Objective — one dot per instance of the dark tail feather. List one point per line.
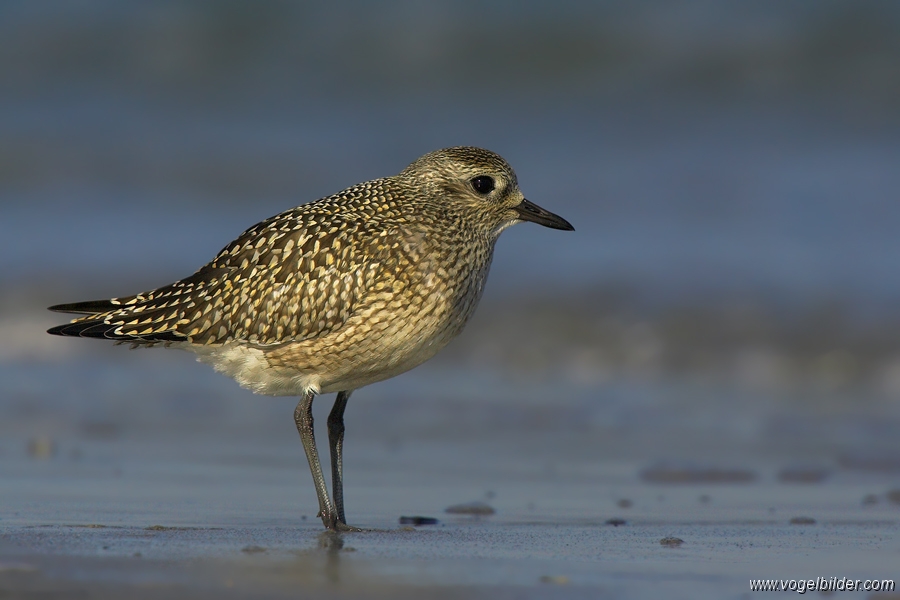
(105, 331)
(91, 307)
(93, 329)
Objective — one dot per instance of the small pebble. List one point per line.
(252, 549)
(470, 508)
(893, 496)
(671, 542)
(417, 521)
(803, 521)
(625, 503)
(555, 579)
(615, 522)
(704, 499)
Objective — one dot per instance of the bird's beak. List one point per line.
(529, 211)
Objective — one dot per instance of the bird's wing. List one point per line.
(296, 276)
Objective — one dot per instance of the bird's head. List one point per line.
(478, 182)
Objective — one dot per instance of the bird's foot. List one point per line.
(332, 522)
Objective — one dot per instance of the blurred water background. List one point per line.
(731, 169)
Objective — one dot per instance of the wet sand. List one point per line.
(231, 515)
(143, 474)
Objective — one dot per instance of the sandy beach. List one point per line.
(698, 387)
(224, 508)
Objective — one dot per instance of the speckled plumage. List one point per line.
(340, 292)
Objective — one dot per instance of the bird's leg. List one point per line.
(304, 419)
(336, 442)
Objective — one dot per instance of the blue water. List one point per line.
(728, 201)
(736, 150)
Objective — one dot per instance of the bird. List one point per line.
(335, 294)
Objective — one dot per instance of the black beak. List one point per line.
(529, 211)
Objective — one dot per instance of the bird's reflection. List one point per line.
(331, 543)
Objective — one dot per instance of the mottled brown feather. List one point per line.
(408, 255)
(292, 277)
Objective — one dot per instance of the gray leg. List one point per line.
(336, 442)
(304, 419)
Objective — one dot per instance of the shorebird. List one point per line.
(335, 294)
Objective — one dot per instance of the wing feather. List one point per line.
(293, 277)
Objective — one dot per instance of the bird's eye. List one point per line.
(483, 184)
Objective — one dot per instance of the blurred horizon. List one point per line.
(730, 168)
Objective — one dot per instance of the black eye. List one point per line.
(483, 184)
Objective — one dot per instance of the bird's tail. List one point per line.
(113, 319)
